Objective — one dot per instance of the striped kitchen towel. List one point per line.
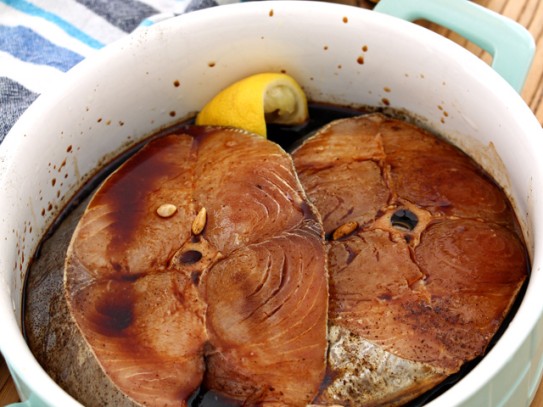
(42, 39)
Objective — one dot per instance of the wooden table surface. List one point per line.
(529, 13)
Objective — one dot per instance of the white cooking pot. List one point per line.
(339, 54)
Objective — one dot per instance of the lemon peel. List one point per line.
(258, 99)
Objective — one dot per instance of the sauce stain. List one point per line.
(125, 193)
(114, 309)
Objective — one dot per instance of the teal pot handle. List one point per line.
(31, 402)
(512, 47)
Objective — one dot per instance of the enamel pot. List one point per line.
(339, 54)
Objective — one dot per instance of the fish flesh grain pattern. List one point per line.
(425, 257)
(201, 262)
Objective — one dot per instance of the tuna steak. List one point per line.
(425, 257)
(227, 289)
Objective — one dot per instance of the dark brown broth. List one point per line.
(287, 137)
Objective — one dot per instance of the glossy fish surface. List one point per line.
(425, 257)
(199, 263)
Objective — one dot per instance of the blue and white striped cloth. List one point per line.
(42, 39)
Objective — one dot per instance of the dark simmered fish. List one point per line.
(226, 289)
(425, 257)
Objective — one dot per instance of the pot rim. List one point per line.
(18, 356)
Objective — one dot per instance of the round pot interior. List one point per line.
(339, 54)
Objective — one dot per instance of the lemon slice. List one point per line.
(256, 100)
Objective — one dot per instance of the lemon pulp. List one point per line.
(256, 100)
